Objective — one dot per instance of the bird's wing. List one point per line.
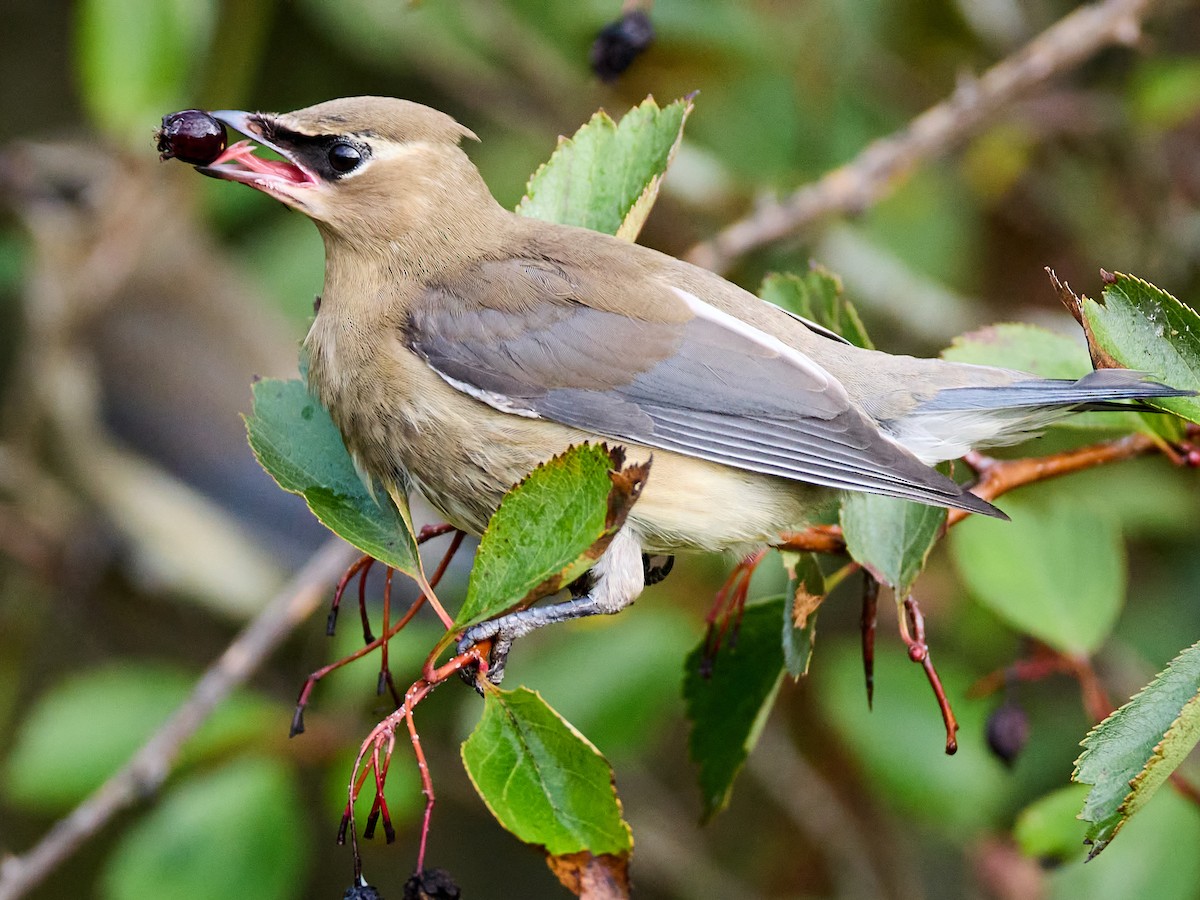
(522, 336)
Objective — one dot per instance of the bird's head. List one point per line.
(363, 168)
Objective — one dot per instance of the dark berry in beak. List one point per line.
(191, 136)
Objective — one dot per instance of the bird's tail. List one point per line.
(960, 418)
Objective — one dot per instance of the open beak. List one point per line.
(283, 178)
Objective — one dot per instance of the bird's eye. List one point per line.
(344, 157)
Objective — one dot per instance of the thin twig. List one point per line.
(998, 477)
(151, 765)
(885, 164)
(912, 632)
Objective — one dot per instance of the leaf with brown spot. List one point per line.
(549, 785)
(806, 589)
(1101, 358)
(550, 529)
(603, 877)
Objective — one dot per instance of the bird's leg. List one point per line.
(616, 581)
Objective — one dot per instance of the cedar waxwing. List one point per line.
(458, 345)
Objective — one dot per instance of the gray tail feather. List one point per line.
(1096, 390)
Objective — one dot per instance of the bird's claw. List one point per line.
(497, 653)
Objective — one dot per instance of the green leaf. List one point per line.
(1144, 328)
(136, 60)
(550, 529)
(1049, 829)
(542, 779)
(805, 592)
(607, 176)
(891, 538)
(1038, 351)
(728, 708)
(1152, 859)
(817, 295)
(1027, 348)
(1129, 755)
(117, 708)
(295, 440)
(239, 831)
(628, 710)
(1056, 572)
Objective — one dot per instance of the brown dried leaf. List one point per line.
(1101, 359)
(603, 877)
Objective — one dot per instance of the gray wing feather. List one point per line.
(695, 386)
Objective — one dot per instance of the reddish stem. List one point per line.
(870, 608)
(389, 633)
(382, 740)
(727, 608)
(912, 632)
(359, 567)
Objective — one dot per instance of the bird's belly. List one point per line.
(687, 504)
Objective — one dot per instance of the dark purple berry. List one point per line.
(620, 43)
(1007, 732)
(361, 892)
(191, 136)
(432, 884)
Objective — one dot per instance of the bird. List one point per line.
(458, 345)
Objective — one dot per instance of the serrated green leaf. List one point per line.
(891, 538)
(1145, 328)
(542, 779)
(1049, 829)
(238, 831)
(549, 530)
(295, 440)
(817, 295)
(1055, 572)
(625, 712)
(118, 708)
(1027, 348)
(606, 177)
(1038, 351)
(1150, 860)
(805, 592)
(1129, 755)
(728, 707)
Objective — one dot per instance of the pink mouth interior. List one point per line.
(241, 155)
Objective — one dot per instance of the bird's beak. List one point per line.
(286, 179)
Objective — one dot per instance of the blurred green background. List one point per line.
(137, 301)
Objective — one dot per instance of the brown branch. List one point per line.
(998, 477)
(887, 162)
(151, 765)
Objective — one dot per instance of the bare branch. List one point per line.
(887, 162)
(151, 765)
